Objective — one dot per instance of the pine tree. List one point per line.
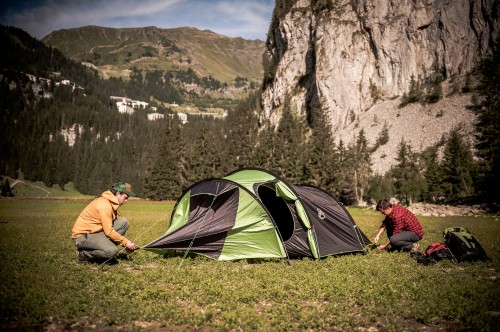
(358, 169)
(381, 186)
(408, 179)
(342, 185)
(289, 146)
(320, 167)
(241, 129)
(382, 138)
(6, 190)
(433, 173)
(205, 154)
(263, 154)
(458, 167)
(487, 109)
(414, 94)
(85, 161)
(167, 175)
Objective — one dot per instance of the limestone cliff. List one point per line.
(343, 57)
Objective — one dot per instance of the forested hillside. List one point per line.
(60, 133)
(35, 112)
(197, 67)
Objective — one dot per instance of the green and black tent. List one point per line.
(252, 213)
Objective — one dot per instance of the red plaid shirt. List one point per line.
(401, 219)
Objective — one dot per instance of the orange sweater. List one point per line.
(98, 216)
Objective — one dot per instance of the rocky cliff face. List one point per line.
(345, 56)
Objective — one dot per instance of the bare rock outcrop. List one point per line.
(418, 125)
(346, 57)
(443, 210)
(428, 210)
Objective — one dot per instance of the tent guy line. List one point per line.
(165, 217)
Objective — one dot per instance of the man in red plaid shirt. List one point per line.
(403, 229)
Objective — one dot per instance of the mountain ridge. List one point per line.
(184, 47)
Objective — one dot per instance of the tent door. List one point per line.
(279, 211)
(284, 216)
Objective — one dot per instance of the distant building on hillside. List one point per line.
(127, 105)
(182, 117)
(155, 116)
(139, 104)
(70, 83)
(124, 108)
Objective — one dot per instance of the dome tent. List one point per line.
(253, 213)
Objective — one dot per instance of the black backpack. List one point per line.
(463, 245)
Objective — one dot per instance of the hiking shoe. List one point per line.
(414, 247)
(81, 257)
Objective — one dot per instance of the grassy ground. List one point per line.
(27, 189)
(42, 285)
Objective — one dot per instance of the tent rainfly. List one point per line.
(252, 213)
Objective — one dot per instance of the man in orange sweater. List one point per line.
(98, 231)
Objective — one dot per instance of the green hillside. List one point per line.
(37, 189)
(115, 51)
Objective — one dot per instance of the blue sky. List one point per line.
(249, 19)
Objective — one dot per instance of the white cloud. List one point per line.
(254, 16)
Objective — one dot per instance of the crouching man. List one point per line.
(403, 229)
(97, 230)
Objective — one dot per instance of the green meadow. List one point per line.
(43, 287)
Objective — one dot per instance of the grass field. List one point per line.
(43, 287)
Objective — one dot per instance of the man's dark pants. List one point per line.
(98, 245)
(404, 240)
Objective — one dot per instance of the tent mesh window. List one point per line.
(279, 211)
